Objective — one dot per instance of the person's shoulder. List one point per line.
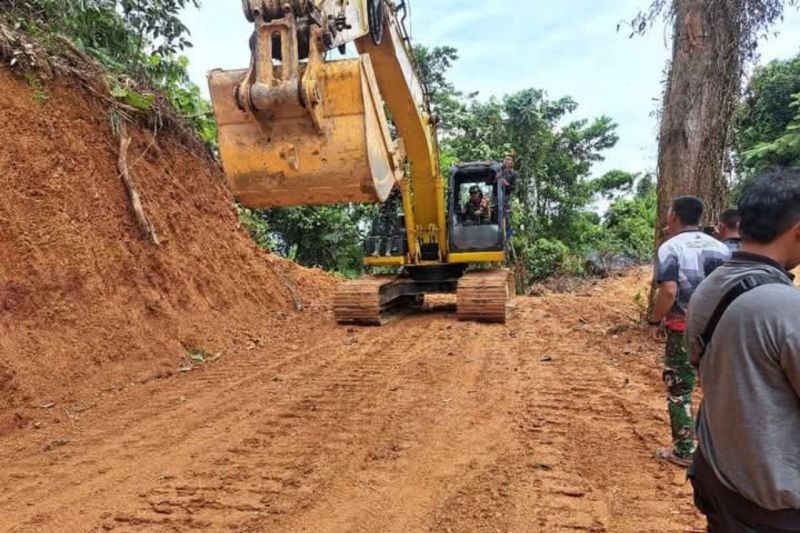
(772, 305)
(779, 294)
(671, 243)
(704, 238)
(700, 242)
(716, 243)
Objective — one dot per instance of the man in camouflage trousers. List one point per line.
(680, 380)
(683, 262)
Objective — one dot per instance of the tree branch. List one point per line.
(133, 194)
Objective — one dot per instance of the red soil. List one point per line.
(85, 301)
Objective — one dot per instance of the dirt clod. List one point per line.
(52, 445)
(12, 422)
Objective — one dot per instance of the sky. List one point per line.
(568, 48)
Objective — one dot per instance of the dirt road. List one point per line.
(427, 424)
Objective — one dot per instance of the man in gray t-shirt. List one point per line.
(746, 473)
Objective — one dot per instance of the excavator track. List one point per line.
(371, 301)
(483, 296)
(358, 302)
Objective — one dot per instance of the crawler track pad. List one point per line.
(483, 296)
(372, 301)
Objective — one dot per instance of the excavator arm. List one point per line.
(299, 129)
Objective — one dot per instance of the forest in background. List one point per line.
(560, 228)
(558, 225)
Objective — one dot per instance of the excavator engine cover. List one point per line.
(287, 157)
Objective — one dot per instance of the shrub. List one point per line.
(546, 258)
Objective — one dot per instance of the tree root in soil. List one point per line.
(133, 194)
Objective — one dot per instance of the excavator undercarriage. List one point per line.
(482, 296)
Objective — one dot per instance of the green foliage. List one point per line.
(171, 75)
(767, 121)
(434, 63)
(256, 226)
(784, 150)
(766, 108)
(329, 237)
(767, 127)
(630, 223)
(120, 32)
(554, 158)
(94, 25)
(613, 183)
(36, 85)
(133, 98)
(156, 23)
(137, 41)
(546, 258)
(556, 226)
(197, 357)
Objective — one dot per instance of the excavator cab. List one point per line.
(485, 232)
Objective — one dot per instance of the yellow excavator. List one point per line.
(299, 129)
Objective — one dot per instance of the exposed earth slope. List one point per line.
(85, 300)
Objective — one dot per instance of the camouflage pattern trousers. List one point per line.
(680, 378)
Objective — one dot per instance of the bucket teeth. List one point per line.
(483, 296)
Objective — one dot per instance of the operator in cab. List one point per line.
(476, 210)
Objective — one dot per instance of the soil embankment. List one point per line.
(86, 302)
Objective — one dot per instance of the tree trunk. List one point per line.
(699, 101)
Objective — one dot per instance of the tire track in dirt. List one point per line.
(448, 430)
(328, 412)
(169, 428)
(427, 424)
(586, 430)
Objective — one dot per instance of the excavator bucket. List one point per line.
(338, 151)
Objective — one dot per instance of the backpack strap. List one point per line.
(753, 281)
